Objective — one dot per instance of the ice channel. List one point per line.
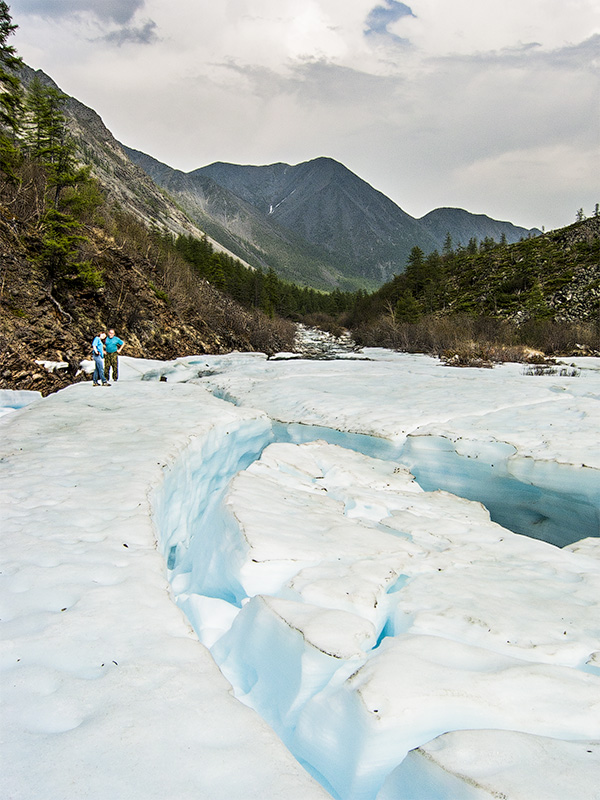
(267, 658)
(554, 502)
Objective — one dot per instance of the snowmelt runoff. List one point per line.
(394, 564)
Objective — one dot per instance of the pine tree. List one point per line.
(415, 270)
(70, 194)
(48, 141)
(11, 96)
(407, 309)
(448, 249)
(472, 247)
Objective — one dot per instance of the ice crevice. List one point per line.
(525, 451)
(362, 616)
(555, 502)
(106, 690)
(383, 625)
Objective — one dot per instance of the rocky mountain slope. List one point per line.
(156, 304)
(329, 206)
(67, 274)
(555, 276)
(463, 226)
(244, 230)
(124, 182)
(315, 223)
(543, 292)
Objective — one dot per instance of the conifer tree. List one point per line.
(70, 192)
(415, 269)
(407, 309)
(448, 249)
(48, 141)
(11, 96)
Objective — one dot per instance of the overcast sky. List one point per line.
(488, 105)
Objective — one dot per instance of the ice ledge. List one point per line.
(448, 620)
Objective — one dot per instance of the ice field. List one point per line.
(374, 578)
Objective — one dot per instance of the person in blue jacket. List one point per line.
(98, 356)
(113, 346)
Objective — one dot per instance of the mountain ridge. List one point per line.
(245, 230)
(361, 230)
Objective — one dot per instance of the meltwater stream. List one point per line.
(202, 546)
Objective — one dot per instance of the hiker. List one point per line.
(113, 346)
(98, 355)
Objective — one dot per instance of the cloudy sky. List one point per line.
(486, 105)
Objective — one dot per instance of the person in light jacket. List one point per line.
(98, 355)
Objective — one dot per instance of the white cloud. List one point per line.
(465, 27)
(562, 174)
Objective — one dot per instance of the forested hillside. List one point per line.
(544, 292)
(554, 276)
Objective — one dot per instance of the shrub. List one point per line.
(162, 295)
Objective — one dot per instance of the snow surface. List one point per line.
(106, 691)
(483, 765)
(497, 436)
(364, 614)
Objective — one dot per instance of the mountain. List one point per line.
(328, 205)
(463, 226)
(354, 229)
(246, 231)
(112, 269)
(315, 223)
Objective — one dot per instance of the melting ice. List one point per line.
(327, 532)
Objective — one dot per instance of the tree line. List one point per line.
(257, 288)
